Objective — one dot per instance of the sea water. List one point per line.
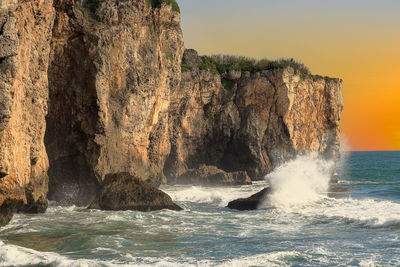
(304, 222)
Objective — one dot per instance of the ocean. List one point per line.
(304, 222)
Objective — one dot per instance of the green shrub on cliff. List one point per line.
(228, 62)
(228, 84)
(208, 63)
(158, 3)
(185, 67)
(223, 63)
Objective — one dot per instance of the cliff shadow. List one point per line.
(71, 123)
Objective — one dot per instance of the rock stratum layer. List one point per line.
(92, 88)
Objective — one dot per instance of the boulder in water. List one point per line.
(250, 203)
(212, 176)
(123, 191)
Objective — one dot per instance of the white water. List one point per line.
(300, 181)
(300, 224)
(218, 196)
(300, 186)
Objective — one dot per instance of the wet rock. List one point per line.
(7, 208)
(212, 176)
(250, 203)
(122, 191)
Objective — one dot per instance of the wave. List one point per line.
(12, 255)
(368, 212)
(300, 181)
(302, 185)
(219, 196)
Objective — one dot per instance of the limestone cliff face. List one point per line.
(254, 122)
(89, 82)
(110, 77)
(25, 32)
(91, 88)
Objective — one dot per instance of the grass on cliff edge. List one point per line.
(219, 64)
(158, 3)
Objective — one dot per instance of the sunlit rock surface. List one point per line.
(92, 88)
(253, 122)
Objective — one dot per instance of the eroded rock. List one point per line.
(251, 122)
(25, 33)
(212, 176)
(122, 191)
(110, 78)
(250, 203)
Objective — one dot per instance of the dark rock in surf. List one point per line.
(212, 176)
(7, 208)
(123, 191)
(250, 203)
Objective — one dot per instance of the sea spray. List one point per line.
(300, 181)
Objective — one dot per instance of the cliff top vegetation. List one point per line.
(219, 64)
(158, 3)
(93, 5)
(224, 63)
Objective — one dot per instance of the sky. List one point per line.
(355, 40)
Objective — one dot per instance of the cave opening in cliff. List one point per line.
(71, 124)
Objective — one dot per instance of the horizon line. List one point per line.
(372, 150)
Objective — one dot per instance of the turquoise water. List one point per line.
(303, 223)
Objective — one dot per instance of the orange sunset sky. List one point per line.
(357, 40)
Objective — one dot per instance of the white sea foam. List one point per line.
(12, 255)
(301, 186)
(272, 259)
(219, 196)
(300, 181)
(370, 212)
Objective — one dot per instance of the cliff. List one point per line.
(91, 88)
(250, 121)
(111, 71)
(89, 83)
(25, 32)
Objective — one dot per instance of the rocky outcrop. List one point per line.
(122, 191)
(111, 73)
(250, 203)
(25, 33)
(242, 121)
(212, 176)
(90, 88)
(88, 81)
